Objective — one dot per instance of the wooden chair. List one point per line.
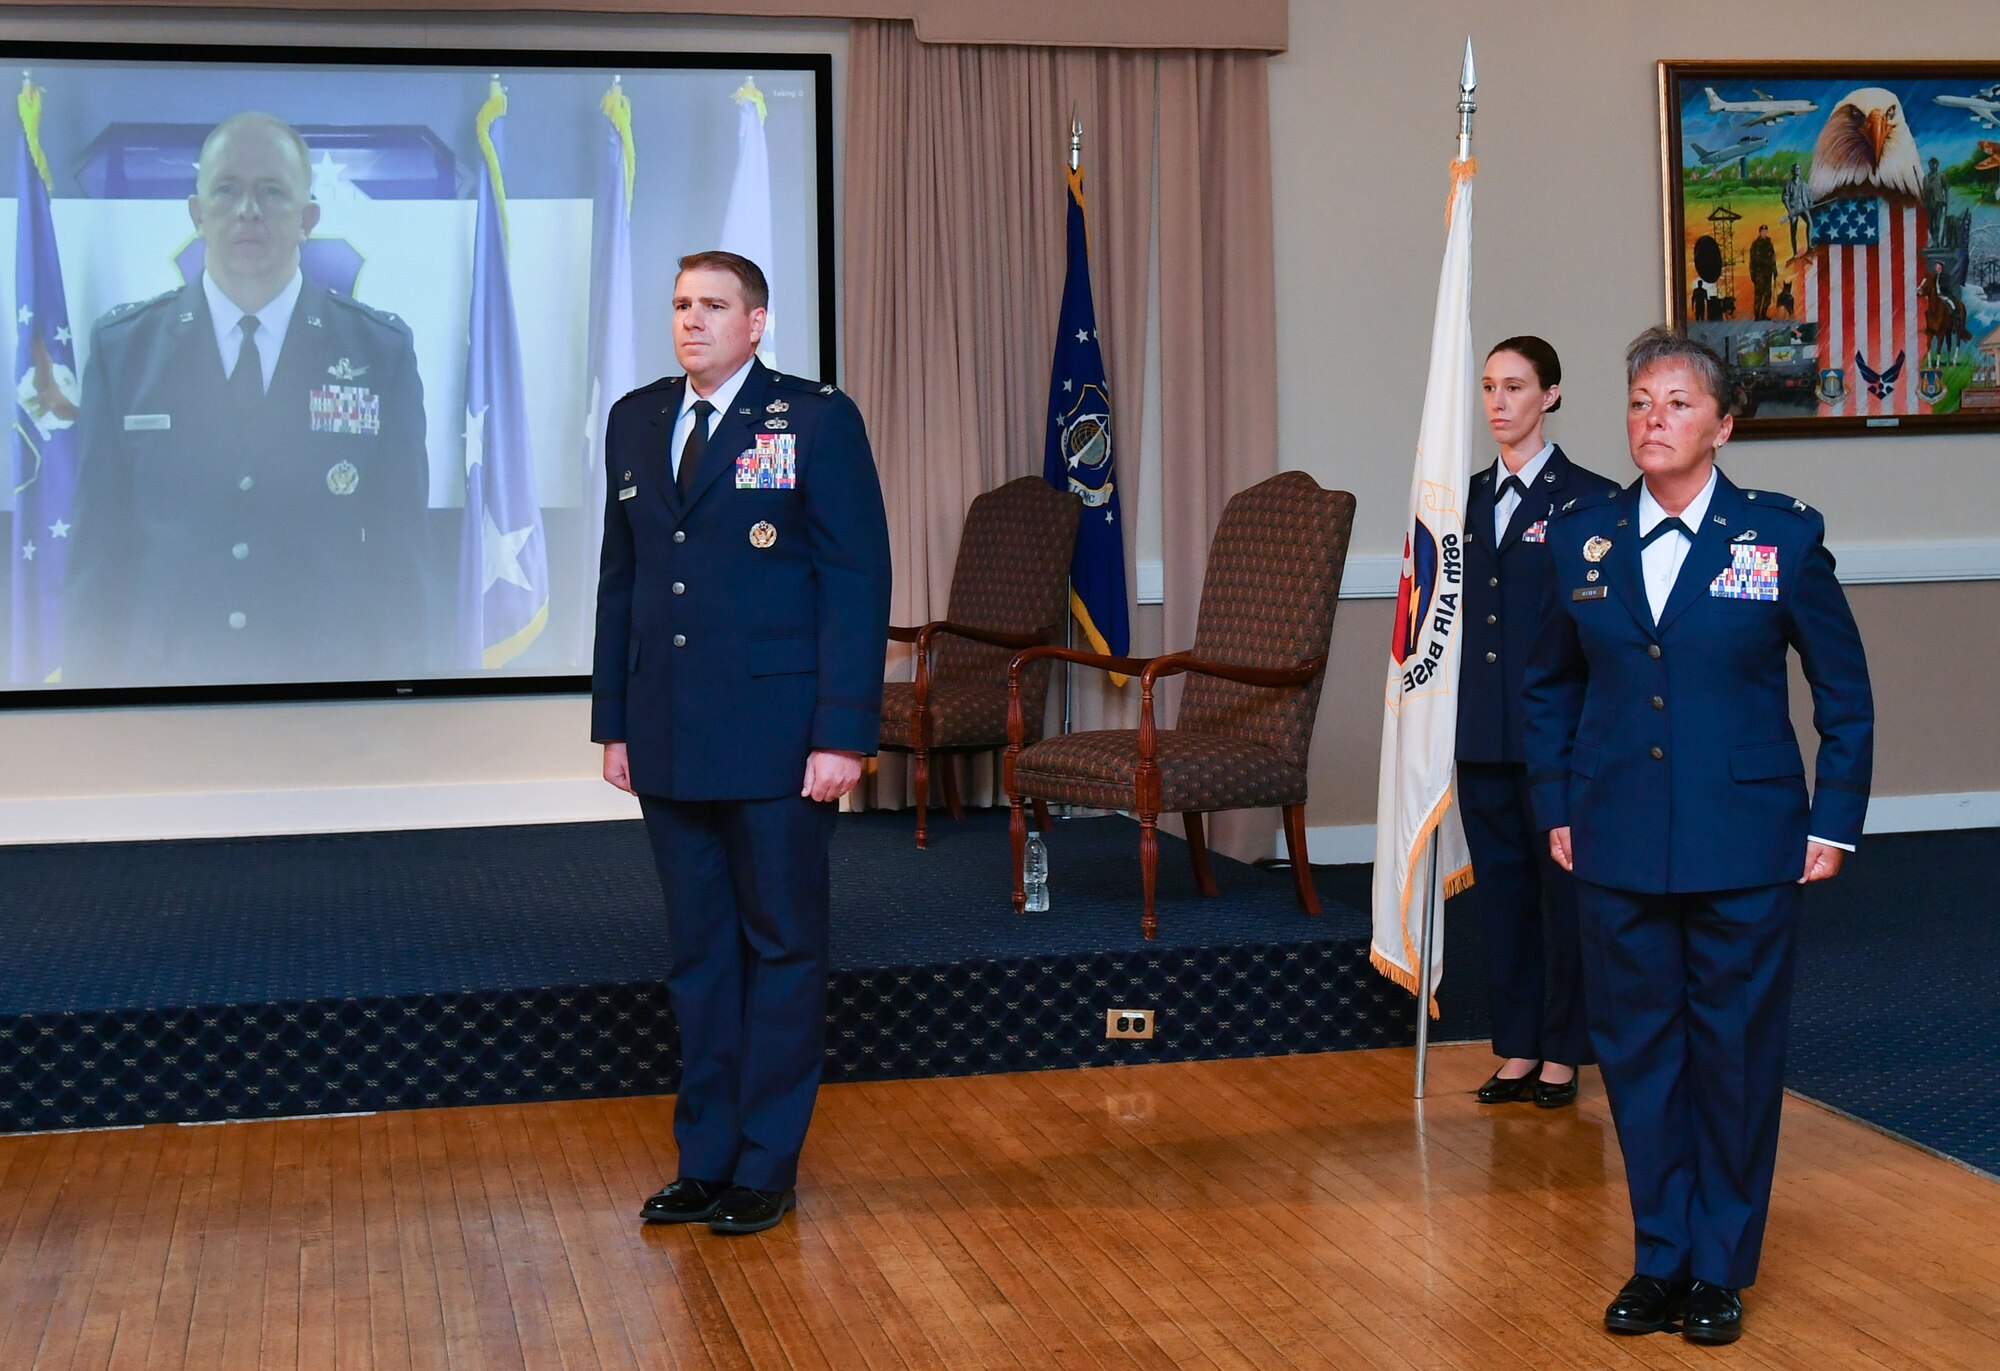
(1246, 717)
(1009, 590)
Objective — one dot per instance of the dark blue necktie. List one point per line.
(1513, 483)
(694, 447)
(1664, 527)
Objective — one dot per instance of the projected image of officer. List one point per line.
(251, 500)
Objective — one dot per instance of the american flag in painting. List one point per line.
(1860, 287)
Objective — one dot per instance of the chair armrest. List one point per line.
(981, 635)
(1124, 666)
(1016, 728)
(900, 634)
(1176, 663)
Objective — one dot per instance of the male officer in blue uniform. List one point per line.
(1527, 909)
(742, 608)
(1662, 760)
(250, 502)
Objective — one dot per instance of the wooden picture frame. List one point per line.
(1833, 230)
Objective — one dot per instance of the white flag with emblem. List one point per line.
(1420, 715)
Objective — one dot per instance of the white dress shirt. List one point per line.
(1505, 502)
(1660, 561)
(684, 421)
(272, 323)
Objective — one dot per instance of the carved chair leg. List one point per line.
(1204, 875)
(920, 779)
(1295, 848)
(1149, 867)
(1042, 824)
(1017, 836)
(948, 764)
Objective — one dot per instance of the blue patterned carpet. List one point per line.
(130, 925)
(523, 940)
(1896, 1018)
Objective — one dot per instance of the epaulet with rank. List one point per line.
(802, 384)
(1771, 499)
(651, 386)
(1593, 500)
(131, 309)
(367, 311)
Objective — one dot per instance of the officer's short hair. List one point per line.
(256, 119)
(750, 276)
(1660, 344)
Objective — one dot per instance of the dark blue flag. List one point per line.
(1078, 455)
(503, 561)
(43, 446)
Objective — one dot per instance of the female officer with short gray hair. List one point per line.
(1662, 761)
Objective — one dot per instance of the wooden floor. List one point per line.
(1301, 1211)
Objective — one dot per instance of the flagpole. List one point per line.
(1467, 82)
(1069, 592)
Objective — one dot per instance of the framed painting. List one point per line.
(1833, 230)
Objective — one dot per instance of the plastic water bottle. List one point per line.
(1035, 874)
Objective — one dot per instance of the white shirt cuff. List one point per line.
(1828, 842)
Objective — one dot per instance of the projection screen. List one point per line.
(443, 267)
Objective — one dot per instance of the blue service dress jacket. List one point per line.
(1507, 597)
(1668, 748)
(743, 628)
(278, 541)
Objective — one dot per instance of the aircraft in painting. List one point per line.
(1764, 108)
(1719, 159)
(1983, 107)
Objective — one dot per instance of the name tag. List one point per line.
(628, 492)
(148, 423)
(1589, 592)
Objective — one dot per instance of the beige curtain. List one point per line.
(953, 262)
(1248, 25)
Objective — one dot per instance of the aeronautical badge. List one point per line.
(1748, 535)
(776, 407)
(344, 409)
(1752, 573)
(1832, 385)
(1537, 532)
(342, 478)
(777, 423)
(1594, 550)
(1930, 385)
(763, 534)
(344, 370)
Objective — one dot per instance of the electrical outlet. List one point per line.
(1128, 1023)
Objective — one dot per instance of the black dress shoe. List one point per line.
(1647, 1304)
(685, 1201)
(1502, 1089)
(1552, 1096)
(744, 1210)
(1714, 1314)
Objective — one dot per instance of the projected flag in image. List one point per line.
(611, 369)
(746, 221)
(503, 560)
(43, 442)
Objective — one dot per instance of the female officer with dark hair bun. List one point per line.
(1527, 912)
(1662, 760)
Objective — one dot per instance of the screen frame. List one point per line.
(18, 52)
